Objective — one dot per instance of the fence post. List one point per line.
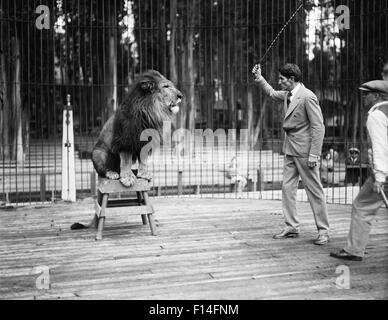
(93, 183)
(42, 187)
(68, 164)
(254, 183)
(260, 182)
(180, 189)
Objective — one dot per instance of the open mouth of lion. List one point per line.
(174, 107)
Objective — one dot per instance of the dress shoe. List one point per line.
(322, 239)
(342, 254)
(286, 233)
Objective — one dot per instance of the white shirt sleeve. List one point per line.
(377, 125)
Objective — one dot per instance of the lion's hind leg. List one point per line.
(106, 164)
(113, 167)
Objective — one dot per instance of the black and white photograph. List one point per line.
(193, 155)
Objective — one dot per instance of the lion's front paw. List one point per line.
(112, 175)
(128, 179)
(142, 174)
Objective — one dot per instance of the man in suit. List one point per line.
(304, 132)
(370, 198)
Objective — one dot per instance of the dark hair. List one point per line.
(291, 70)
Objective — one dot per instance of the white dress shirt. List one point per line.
(294, 91)
(377, 125)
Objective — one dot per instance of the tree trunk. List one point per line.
(63, 55)
(261, 126)
(17, 105)
(4, 102)
(112, 76)
(190, 77)
(4, 110)
(162, 36)
(231, 72)
(173, 72)
(181, 121)
(250, 114)
(173, 34)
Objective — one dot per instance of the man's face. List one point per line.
(369, 99)
(286, 84)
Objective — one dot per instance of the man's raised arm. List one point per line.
(266, 87)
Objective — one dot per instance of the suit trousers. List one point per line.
(295, 167)
(364, 210)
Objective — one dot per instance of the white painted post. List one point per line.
(68, 164)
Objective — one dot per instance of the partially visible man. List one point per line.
(369, 199)
(384, 74)
(304, 128)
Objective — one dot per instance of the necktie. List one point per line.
(289, 98)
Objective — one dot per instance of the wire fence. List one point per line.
(93, 50)
(183, 171)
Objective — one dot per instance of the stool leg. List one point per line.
(152, 224)
(140, 201)
(99, 197)
(94, 223)
(101, 218)
(150, 215)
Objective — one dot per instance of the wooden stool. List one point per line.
(140, 205)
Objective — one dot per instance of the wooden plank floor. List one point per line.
(205, 249)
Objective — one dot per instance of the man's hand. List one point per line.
(377, 186)
(256, 71)
(312, 161)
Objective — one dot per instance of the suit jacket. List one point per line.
(302, 123)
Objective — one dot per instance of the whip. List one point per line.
(281, 31)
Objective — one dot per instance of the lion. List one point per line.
(152, 100)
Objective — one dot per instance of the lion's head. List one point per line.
(151, 101)
(153, 98)
(162, 89)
